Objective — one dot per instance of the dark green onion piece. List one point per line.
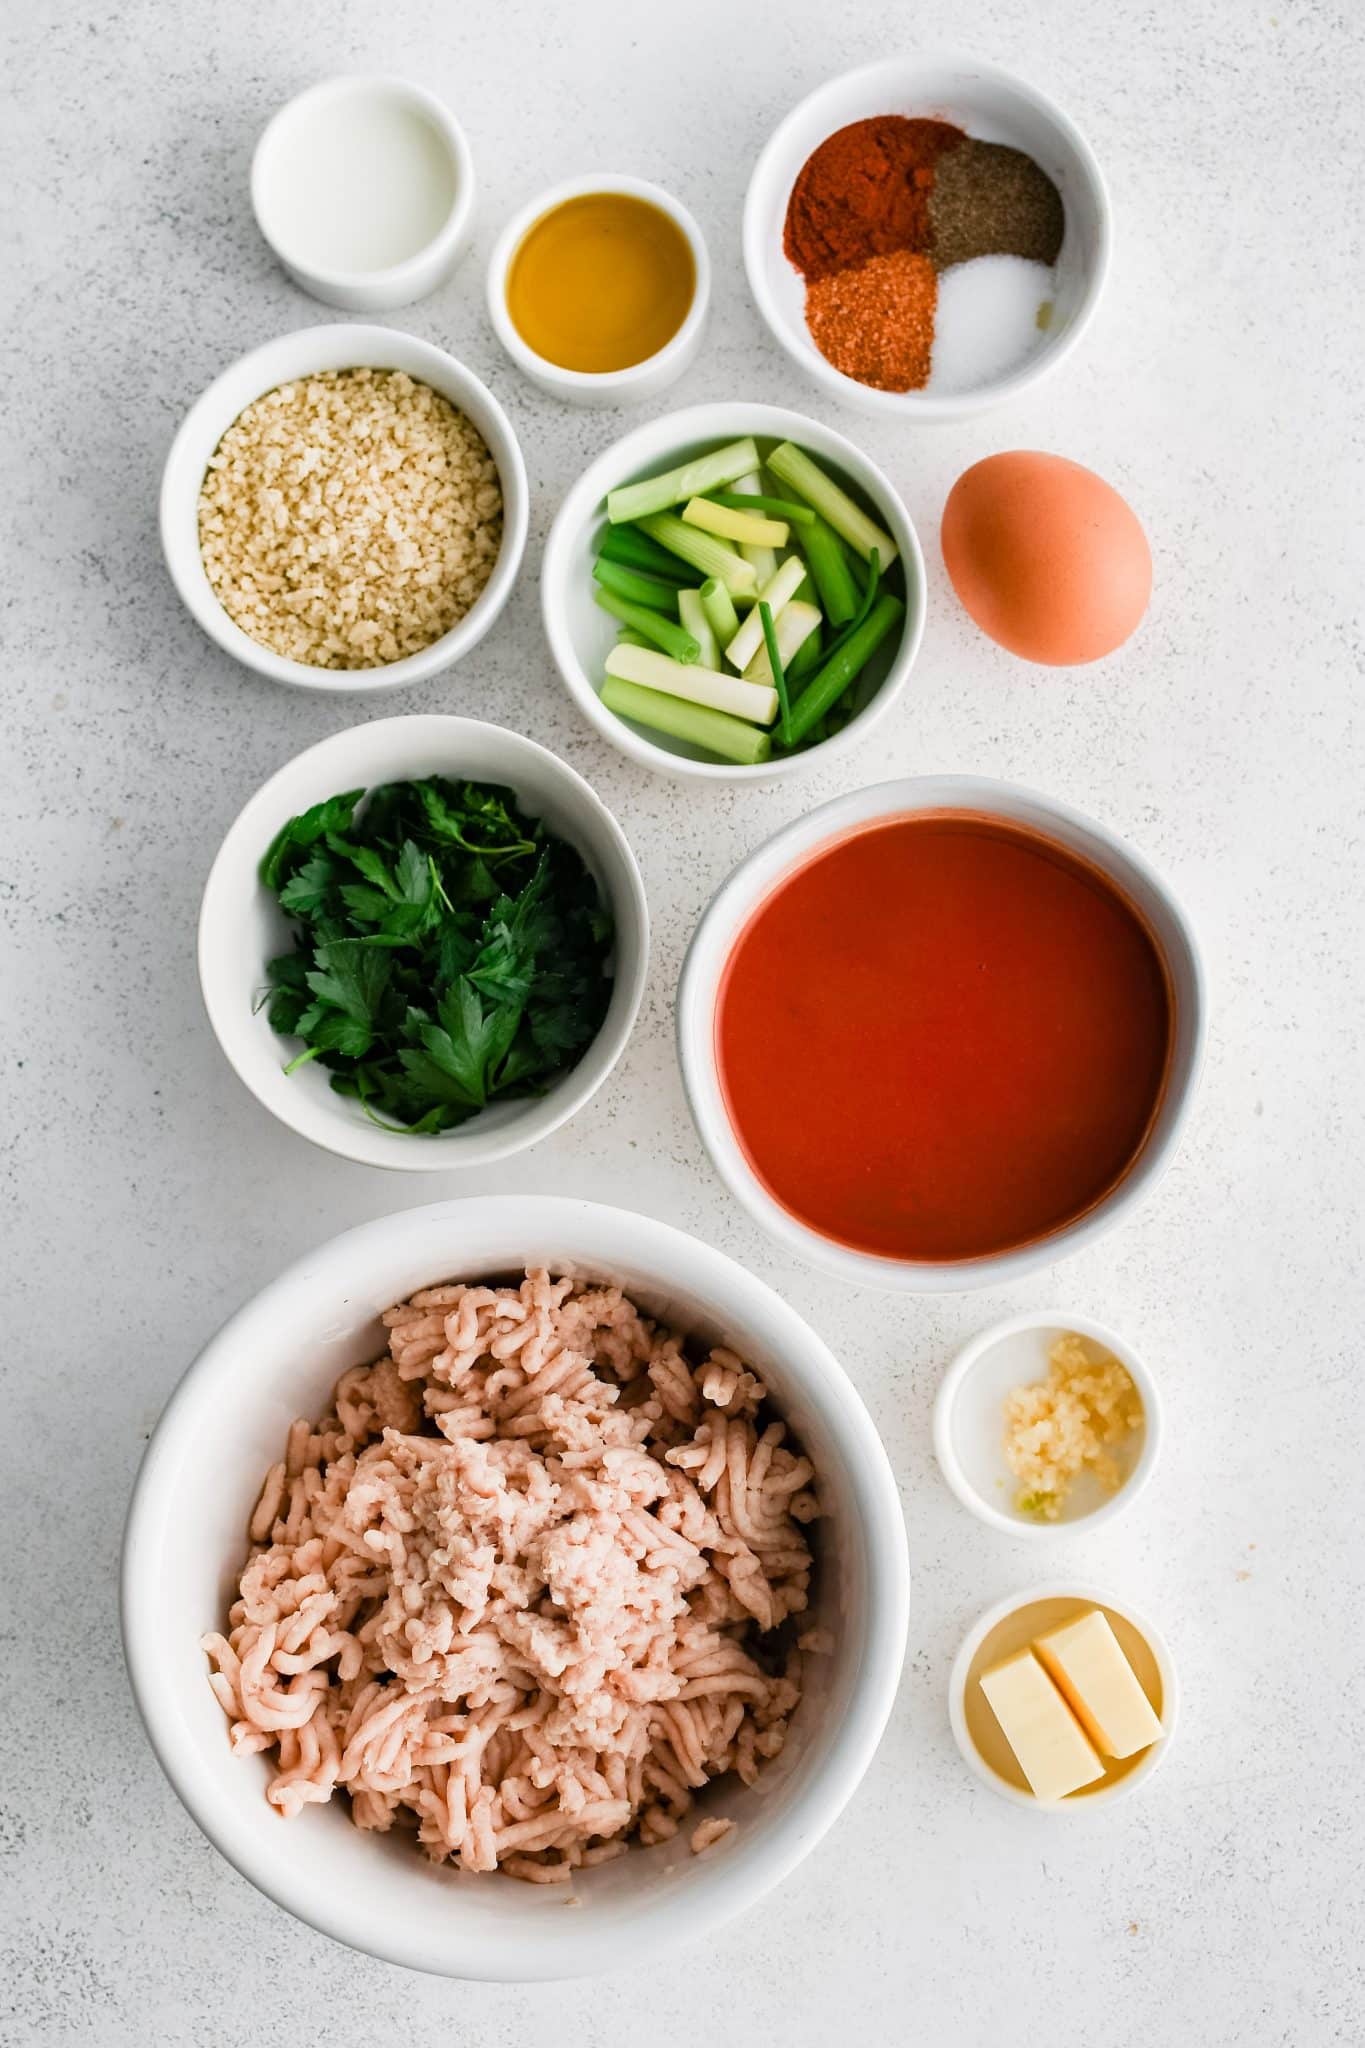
(784, 716)
(824, 690)
(775, 508)
(874, 570)
(664, 634)
(637, 551)
(828, 564)
(637, 588)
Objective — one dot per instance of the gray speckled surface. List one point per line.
(145, 1194)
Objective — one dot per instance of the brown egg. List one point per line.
(1046, 556)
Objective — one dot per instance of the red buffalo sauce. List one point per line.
(943, 1036)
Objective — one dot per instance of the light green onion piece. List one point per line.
(636, 587)
(776, 593)
(719, 607)
(692, 616)
(690, 480)
(793, 467)
(791, 632)
(702, 550)
(696, 684)
(663, 632)
(715, 733)
(761, 558)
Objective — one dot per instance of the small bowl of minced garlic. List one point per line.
(1045, 1422)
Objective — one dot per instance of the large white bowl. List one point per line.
(185, 1542)
(345, 346)
(754, 880)
(241, 927)
(992, 105)
(581, 634)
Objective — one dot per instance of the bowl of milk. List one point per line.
(364, 189)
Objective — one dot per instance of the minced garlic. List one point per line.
(1058, 1427)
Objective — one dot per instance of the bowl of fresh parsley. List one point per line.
(423, 943)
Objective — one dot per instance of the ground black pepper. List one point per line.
(989, 200)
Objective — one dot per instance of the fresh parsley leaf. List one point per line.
(332, 816)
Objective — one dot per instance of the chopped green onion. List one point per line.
(776, 593)
(793, 629)
(776, 508)
(638, 588)
(692, 616)
(765, 613)
(627, 544)
(626, 636)
(807, 657)
(705, 553)
(745, 527)
(758, 554)
(837, 672)
(874, 570)
(713, 731)
(719, 607)
(831, 572)
(793, 467)
(688, 480)
(672, 639)
(719, 692)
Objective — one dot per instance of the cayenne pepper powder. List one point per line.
(864, 192)
(875, 320)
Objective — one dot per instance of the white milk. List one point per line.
(357, 183)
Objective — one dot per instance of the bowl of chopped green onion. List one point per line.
(423, 943)
(732, 590)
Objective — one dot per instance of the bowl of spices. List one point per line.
(364, 189)
(598, 290)
(345, 509)
(927, 236)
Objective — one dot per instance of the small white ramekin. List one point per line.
(581, 634)
(599, 388)
(990, 104)
(185, 1542)
(374, 291)
(754, 880)
(1142, 1772)
(241, 927)
(303, 354)
(969, 1424)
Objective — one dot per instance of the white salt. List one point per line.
(987, 320)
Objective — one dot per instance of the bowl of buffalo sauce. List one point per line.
(941, 1031)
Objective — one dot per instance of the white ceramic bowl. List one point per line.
(581, 634)
(335, 102)
(241, 927)
(754, 880)
(991, 105)
(969, 1433)
(598, 388)
(1078, 1805)
(223, 1428)
(301, 354)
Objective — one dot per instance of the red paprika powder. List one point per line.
(865, 192)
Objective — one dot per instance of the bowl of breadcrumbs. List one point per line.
(345, 509)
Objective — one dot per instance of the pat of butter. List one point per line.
(1100, 1685)
(1050, 1744)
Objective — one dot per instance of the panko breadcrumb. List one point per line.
(350, 518)
(1059, 1427)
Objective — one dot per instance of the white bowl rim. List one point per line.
(698, 422)
(975, 1350)
(1108, 1795)
(357, 1141)
(368, 345)
(347, 85)
(927, 405)
(596, 381)
(727, 1891)
(801, 838)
